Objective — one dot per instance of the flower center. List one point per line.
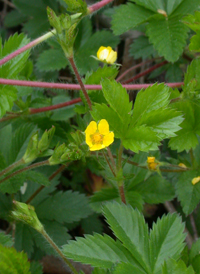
(97, 138)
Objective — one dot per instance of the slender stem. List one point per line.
(11, 167)
(46, 162)
(120, 156)
(57, 249)
(133, 68)
(60, 169)
(192, 221)
(122, 194)
(145, 72)
(98, 5)
(110, 166)
(57, 106)
(170, 208)
(75, 86)
(71, 60)
(28, 46)
(112, 159)
(192, 157)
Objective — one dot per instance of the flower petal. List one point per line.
(88, 140)
(108, 139)
(112, 57)
(103, 127)
(97, 147)
(91, 128)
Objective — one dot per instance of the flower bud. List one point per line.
(107, 55)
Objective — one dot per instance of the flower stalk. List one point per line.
(11, 167)
(98, 5)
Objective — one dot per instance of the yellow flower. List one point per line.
(107, 55)
(195, 180)
(182, 165)
(98, 136)
(151, 163)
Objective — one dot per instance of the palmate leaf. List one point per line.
(125, 268)
(97, 250)
(168, 35)
(186, 7)
(129, 16)
(172, 266)
(141, 48)
(192, 75)
(129, 227)
(166, 240)
(187, 193)
(13, 262)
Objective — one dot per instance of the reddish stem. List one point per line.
(75, 86)
(122, 194)
(145, 72)
(99, 5)
(61, 105)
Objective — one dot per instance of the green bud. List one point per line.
(32, 149)
(56, 157)
(46, 139)
(54, 20)
(65, 21)
(75, 6)
(26, 214)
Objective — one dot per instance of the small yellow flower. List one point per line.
(195, 180)
(107, 55)
(151, 163)
(182, 165)
(98, 136)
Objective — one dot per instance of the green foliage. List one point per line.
(6, 240)
(13, 262)
(141, 48)
(76, 6)
(176, 267)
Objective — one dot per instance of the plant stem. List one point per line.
(11, 167)
(145, 72)
(120, 156)
(192, 157)
(46, 162)
(122, 194)
(112, 159)
(98, 5)
(170, 208)
(57, 249)
(75, 86)
(110, 166)
(192, 221)
(60, 169)
(71, 60)
(28, 46)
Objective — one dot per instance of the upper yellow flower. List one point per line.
(152, 165)
(195, 180)
(182, 165)
(107, 55)
(98, 136)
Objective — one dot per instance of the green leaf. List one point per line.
(193, 75)
(187, 193)
(195, 42)
(171, 266)
(6, 240)
(5, 206)
(129, 227)
(166, 240)
(124, 268)
(37, 177)
(14, 18)
(13, 262)
(153, 5)
(95, 77)
(76, 6)
(196, 264)
(13, 184)
(155, 190)
(51, 59)
(186, 7)
(174, 73)
(36, 268)
(129, 16)
(168, 35)
(193, 21)
(97, 250)
(75, 204)
(194, 251)
(141, 48)
(8, 95)
(134, 199)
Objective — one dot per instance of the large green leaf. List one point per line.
(6, 240)
(129, 16)
(186, 7)
(171, 266)
(141, 48)
(192, 75)
(125, 268)
(166, 240)
(129, 227)
(97, 250)
(188, 194)
(168, 35)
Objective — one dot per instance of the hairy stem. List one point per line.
(98, 5)
(46, 162)
(75, 86)
(28, 46)
(112, 159)
(11, 167)
(110, 166)
(71, 60)
(57, 249)
(194, 228)
(122, 194)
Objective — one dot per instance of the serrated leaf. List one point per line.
(36, 268)
(37, 177)
(13, 262)
(51, 59)
(124, 268)
(141, 48)
(195, 42)
(166, 240)
(171, 266)
(134, 199)
(168, 35)
(193, 75)
(8, 95)
(6, 240)
(129, 227)
(72, 207)
(194, 251)
(155, 190)
(13, 184)
(97, 250)
(187, 193)
(186, 7)
(82, 56)
(128, 16)
(174, 73)
(95, 77)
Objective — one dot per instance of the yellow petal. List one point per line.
(150, 160)
(88, 140)
(103, 127)
(195, 180)
(91, 128)
(112, 57)
(108, 139)
(97, 147)
(99, 51)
